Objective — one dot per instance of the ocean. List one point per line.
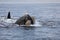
(47, 26)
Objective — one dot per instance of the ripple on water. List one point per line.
(45, 32)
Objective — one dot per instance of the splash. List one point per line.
(37, 24)
(7, 22)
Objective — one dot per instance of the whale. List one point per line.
(9, 15)
(26, 20)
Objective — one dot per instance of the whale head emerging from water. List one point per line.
(25, 20)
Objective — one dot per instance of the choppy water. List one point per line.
(47, 26)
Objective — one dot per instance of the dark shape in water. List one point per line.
(9, 16)
(24, 20)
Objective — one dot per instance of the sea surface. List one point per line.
(47, 22)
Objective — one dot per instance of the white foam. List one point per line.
(9, 21)
(13, 21)
(36, 24)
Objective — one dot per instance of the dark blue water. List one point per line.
(46, 14)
